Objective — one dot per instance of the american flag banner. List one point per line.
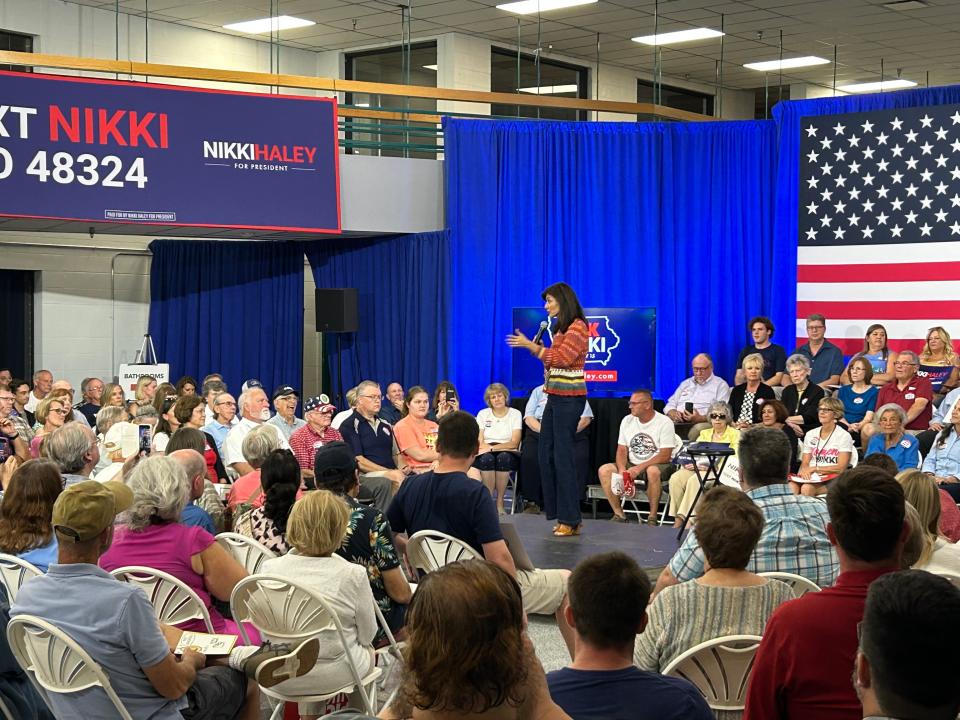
(879, 205)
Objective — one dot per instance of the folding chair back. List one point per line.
(429, 550)
(54, 662)
(14, 572)
(246, 551)
(720, 668)
(798, 583)
(174, 602)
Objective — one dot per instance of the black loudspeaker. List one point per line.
(337, 310)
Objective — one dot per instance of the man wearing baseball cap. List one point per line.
(114, 622)
(316, 433)
(285, 400)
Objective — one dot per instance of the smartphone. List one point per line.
(451, 395)
(6, 449)
(689, 407)
(145, 438)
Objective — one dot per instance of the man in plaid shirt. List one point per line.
(794, 538)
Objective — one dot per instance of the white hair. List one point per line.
(160, 490)
(258, 444)
(68, 445)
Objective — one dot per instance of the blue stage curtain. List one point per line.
(788, 116)
(666, 215)
(230, 307)
(404, 295)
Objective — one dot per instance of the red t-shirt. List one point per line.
(803, 666)
(918, 387)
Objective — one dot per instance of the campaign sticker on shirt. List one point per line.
(804, 401)
(488, 423)
(318, 444)
(909, 396)
(857, 401)
(759, 401)
(905, 444)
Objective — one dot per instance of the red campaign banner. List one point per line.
(600, 375)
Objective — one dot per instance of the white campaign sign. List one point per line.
(129, 374)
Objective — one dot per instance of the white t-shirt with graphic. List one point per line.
(499, 429)
(826, 451)
(644, 440)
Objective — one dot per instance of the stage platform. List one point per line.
(651, 547)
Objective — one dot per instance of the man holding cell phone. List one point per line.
(691, 401)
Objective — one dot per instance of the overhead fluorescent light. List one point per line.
(906, 5)
(525, 7)
(363, 104)
(787, 63)
(897, 84)
(270, 24)
(549, 89)
(430, 67)
(678, 36)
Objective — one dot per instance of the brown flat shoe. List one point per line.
(566, 530)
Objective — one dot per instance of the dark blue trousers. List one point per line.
(558, 473)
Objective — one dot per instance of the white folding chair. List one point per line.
(640, 495)
(720, 668)
(14, 572)
(246, 551)
(5, 712)
(289, 612)
(798, 583)
(390, 656)
(55, 663)
(429, 550)
(172, 599)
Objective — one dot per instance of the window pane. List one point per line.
(17, 43)
(557, 79)
(675, 97)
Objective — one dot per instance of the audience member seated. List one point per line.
(890, 439)
(690, 402)
(447, 500)
(315, 434)
(794, 537)
(747, 399)
(316, 528)
(530, 487)
(369, 540)
(859, 397)
(75, 450)
(351, 398)
(393, 409)
(801, 397)
(106, 419)
(468, 654)
(153, 537)
(164, 392)
(188, 410)
(446, 400)
(210, 391)
(684, 483)
(910, 392)
(727, 600)
(774, 356)
(246, 492)
(644, 447)
(608, 611)
(224, 417)
(90, 389)
(267, 523)
(941, 414)
(254, 411)
(877, 354)
(120, 632)
(943, 460)
(774, 415)
(186, 385)
(500, 429)
(42, 384)
(827, 451)
(146, 390)
(939, 555)
(167, 425)
(372, 441)
(826, 359)
(416, 434)
(205, 495)
(285, 400)
(802, 667)
(882, 461)
(909, 618)
(938, 362)
(195, 467)
(21, 395)
(51, 413)
(112, 396)
(13, 431)
(25, 526)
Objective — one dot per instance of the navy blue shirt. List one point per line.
(377, 446)
(449, 502)
(628, 693)
(390, 413)
(828, 361)
(774, 358)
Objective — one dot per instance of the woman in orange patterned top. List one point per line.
(566, 389)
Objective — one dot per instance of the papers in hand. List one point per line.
(814, 478)
(206, 643)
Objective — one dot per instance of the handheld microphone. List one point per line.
(543, 328)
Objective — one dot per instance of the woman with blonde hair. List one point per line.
(938, 361)
(499, 443)
(146, 390)
(939, 555)
(316, 528)
(747, 398)
(52, 412)
(827, 451)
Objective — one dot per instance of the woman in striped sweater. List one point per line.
(566, 390)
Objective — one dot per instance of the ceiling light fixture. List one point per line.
(525, 7)
(678, 36)
(270, 24)
(549, 89)
(897, 84)
(787, 63)
(430, 67)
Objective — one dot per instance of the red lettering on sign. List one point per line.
(592, 330)
(59, 121)
(109, 127)
(139, 127)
